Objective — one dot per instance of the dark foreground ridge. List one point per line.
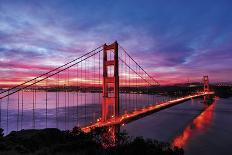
(53, 141)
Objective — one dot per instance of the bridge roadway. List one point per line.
(127, 117)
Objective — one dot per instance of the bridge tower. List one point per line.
(206, 83)
(110, 102)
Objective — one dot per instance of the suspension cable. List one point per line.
(52, 70)
(50, 75)
(139, 65)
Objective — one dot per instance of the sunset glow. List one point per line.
(172, 49)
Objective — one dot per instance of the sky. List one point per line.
(174, 40)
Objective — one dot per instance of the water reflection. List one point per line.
(198, 125)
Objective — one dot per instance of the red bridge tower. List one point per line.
(110, 103)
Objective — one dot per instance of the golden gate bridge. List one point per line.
(103, 87)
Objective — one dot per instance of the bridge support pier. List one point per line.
(110, 103)
(110, 138)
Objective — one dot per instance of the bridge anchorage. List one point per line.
(102, 88)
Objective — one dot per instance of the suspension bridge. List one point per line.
(103, 87)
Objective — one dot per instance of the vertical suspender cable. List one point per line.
(77, 96)
(136, 97)
(68, 89)
(99, 80)
(58, 97)
(18, 113)
(33, 106)
(46, 102)
(72, 101)
(81, 88)
(0, 113)
(126, 81)
(56, 101)
(65, 101)
(129, 86)
(22, 111)
(7, 106)
(85, 90)
(93, 85)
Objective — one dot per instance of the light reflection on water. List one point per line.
(199, 129)
(197, 126)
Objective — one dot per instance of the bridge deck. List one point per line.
(141, 112)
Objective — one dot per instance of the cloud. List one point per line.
(171, 41)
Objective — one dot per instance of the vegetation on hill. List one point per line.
(53, 141)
